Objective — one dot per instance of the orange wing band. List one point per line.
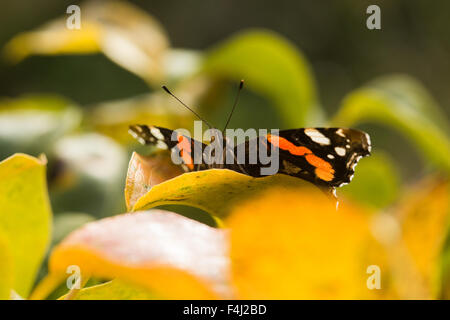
(185, 150)
(323, 170)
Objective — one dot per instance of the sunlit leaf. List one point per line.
(271, 66)
(294, 245)
(445, 270)
(15, 296)
(182, 63)
(124, 33)
(171, 255)
(145, 172)
(114, 290)
(32, 123)
(6, 269)
(424, 214)
(215, 191)
(400, 102)
(25, 216)
(376, 183)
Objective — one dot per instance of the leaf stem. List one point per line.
(76, 288)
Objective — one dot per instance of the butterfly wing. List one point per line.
(324, 156)
(184, 146)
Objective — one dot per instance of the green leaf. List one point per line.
(376, 182)
(32, 123)
(115, 290)
(403, 104)
(6, 270)
(25, 216)
(215, 191)
(271, 66)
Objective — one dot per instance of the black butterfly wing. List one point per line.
(329, 156)
(186, 148)
(324, 156)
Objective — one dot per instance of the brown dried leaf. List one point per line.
(146, 171)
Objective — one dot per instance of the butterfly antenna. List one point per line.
(168, 91)
(241, 85)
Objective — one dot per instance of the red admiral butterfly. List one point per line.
(324, 156)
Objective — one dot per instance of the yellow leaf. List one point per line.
(215, 191)
(124, 33)
(173, 256)
(25, 216)
(423, 215)
(6, 270)
(54, 38)
(115, 290)
(146, 172)
(295, 245)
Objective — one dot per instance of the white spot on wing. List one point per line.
(369, 148)
(340, 151)
(161, 144)
(340, 132)
(330, 156)
(317, 137)
(156, 133)
(134, 134)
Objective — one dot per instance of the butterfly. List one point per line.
(324, 156)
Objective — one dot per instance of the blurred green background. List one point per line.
(315, 63)
(305, 63)
(332, 34)
(343, 53)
